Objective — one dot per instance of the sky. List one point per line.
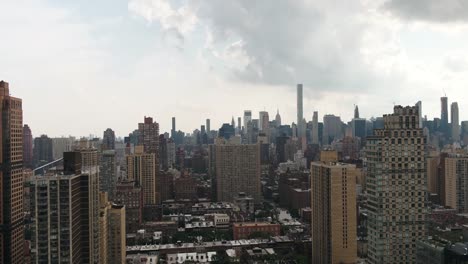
(83, 66)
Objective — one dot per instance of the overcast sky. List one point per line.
(82, 66)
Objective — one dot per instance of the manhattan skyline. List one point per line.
(107, 64)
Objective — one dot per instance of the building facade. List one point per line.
(27, 147)
(245, 230)
(42, 150)
(61, 145)
(333, 204)
(141, 168)
(108, 172)
(11, 178)
(58, 206)
(237, 170)
(113, 235)
(131, 196)
(456, 179)
(396, 187)
(108, 140)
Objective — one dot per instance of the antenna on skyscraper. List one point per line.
(445, 94)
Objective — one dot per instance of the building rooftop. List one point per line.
(249, 224)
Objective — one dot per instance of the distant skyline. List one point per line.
(84, 66)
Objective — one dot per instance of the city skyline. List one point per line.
(118, 58)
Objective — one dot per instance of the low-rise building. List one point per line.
(245, 230)
(194, 257)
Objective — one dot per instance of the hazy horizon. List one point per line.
(82, 67)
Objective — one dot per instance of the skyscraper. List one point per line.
(359, 127)
(278, 119)
(108, 139)
(108, 173)
(11, 180)
(396, 187)
(42, 150)
(332, 128)
(208, 126)
(141, 168)
(264, 121)
(113, 236)
(59, 213)
(456, 179)
(226, 131)
(444, 114)
(88, 157)
(356, 112)
(333, 227)
(315, 129)
(130, 195)
(239, 124)
(237, 170)
(455, 122)
(27, 147)
(61, 145)
(149, 135)
(173, 129)
(419, 105)
(247, 119)
(300, 113)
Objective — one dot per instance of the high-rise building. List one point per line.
(163, 163)
(108, 139)
(264, 118)
(88, 158)
(208, 126)
(265, 123)
(130, 195)
(333, 203)
(332, 128)
(171, 153)
(173, 129)
(42, 150)
(59, 206)
(444, 114)
(165, 185)
(278, 119)
(315, 129)
(149, 136)
(113, 236)
(456, 179)
(237, 170)
(300, 111)
(247, 119)
(432, 165)
(108, 173)
(356, 112)
(226, 131)
(396, 187)
(185, 187)
(455, 122)
(358, 126)
(419, 105)
(61, 145)
(27, 147)
(239, 124)
(11, 179)
(141, 168)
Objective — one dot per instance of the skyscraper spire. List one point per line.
(299, 109)
(278, 118)
(233, 123)
(356, 112)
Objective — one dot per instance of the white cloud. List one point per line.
(181, 19)
(430, 10)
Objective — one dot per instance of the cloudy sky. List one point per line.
(82, 66)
